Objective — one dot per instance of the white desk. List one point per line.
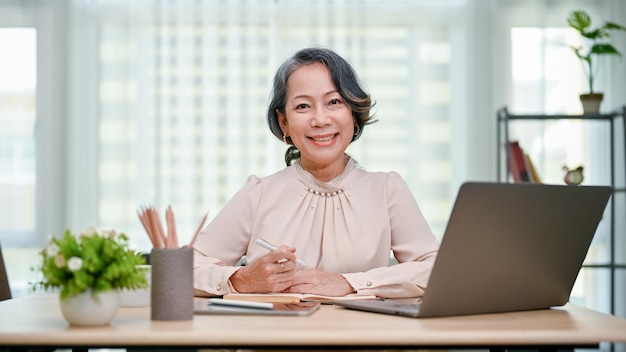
(37, 321)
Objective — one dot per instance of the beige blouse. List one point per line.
(347, 226)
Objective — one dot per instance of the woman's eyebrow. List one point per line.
(305, 96)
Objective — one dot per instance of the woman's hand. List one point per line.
(319, 282)
(273, 272)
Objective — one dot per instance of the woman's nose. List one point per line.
(320, 118)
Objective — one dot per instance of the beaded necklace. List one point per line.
(333, 185)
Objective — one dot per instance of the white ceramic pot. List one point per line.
(89, 309)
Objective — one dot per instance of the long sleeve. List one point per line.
(223, 242)
(349, 226)
(412, 244)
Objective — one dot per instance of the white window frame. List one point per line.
(49, 131)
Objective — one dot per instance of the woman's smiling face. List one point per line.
(317, 119)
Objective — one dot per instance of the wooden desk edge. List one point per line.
(41, 324)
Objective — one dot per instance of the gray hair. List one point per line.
(344, 78)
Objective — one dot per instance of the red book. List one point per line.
(517, 164)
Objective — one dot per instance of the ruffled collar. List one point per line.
(330, 188)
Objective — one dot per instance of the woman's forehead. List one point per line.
(310, 80)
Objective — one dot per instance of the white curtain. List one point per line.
(170, 99)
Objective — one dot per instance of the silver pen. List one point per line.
(263, 243)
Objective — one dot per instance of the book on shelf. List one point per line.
(517, 162)
(530, 166)
(290, 297)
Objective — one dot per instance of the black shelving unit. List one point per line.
(504, 118)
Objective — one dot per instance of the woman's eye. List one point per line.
(301, 106)
(335, 102)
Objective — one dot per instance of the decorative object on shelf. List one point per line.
(573, 176)
(597, 43)
(92, 265)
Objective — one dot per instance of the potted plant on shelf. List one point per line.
(597, 43)
(89, 269)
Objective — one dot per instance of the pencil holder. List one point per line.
(172, 284)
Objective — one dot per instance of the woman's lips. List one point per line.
(324, 139)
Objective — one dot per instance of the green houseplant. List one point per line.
(89, 270)
(96, 260)
(597, 43)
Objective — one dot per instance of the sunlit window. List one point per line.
(17, 144)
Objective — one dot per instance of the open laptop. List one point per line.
(507, 247)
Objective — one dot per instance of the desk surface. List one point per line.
(37, 321)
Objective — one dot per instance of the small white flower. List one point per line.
(59, 261)
(75, 264)
(109, 233)
(52, 250)
(88, 232)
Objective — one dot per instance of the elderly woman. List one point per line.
(322, 208)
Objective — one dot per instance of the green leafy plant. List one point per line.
(597, 41)
(96, 260)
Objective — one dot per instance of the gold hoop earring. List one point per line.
(285, 138)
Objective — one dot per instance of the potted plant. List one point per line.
(89, 269)
(597, 43)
